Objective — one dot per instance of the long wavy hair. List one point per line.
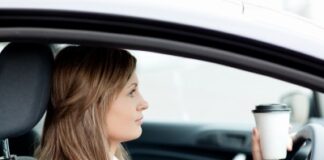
(85, 82)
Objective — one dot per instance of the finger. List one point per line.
(290, 141)
(256, 151)
(290, 144)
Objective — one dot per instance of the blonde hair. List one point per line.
(85, 82)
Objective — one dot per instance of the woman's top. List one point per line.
(114, 158)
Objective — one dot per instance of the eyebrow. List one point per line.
(133, 84)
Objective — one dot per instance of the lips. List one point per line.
(139, 119)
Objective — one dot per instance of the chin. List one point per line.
(138, 133)
(135, 135)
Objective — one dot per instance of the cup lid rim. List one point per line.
(271, 108)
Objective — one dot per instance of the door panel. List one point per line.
(189, 142)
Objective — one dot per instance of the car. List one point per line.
(203, 66)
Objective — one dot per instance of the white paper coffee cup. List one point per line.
(272, 122)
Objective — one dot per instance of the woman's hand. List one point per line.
(256, 147)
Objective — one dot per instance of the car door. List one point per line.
(176, 134)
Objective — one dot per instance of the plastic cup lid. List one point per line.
(271, 108)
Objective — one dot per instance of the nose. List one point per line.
(143, 105)
(146, 105)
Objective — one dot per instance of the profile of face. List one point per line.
(125, 115)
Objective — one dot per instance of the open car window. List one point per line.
(181, 89)
(183, 92)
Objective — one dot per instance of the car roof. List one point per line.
(228, 16)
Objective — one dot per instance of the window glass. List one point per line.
(186, 90)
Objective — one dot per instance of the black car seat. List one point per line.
(25, 75)
(25, 144)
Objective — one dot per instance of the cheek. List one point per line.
(121, 123)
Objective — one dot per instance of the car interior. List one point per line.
(25, 73)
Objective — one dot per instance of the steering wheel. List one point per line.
(308, 143)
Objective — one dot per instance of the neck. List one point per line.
(113, 148)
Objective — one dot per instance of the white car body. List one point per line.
(228, 16)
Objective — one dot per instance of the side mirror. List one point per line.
(299, 104)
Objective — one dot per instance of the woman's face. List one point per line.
(125, 115)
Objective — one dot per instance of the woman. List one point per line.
(96, 105)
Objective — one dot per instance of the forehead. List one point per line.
(132, 79)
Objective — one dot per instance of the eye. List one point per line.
(132, 93)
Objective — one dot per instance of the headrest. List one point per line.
(25, 76)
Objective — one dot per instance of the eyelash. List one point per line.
(131, 94)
